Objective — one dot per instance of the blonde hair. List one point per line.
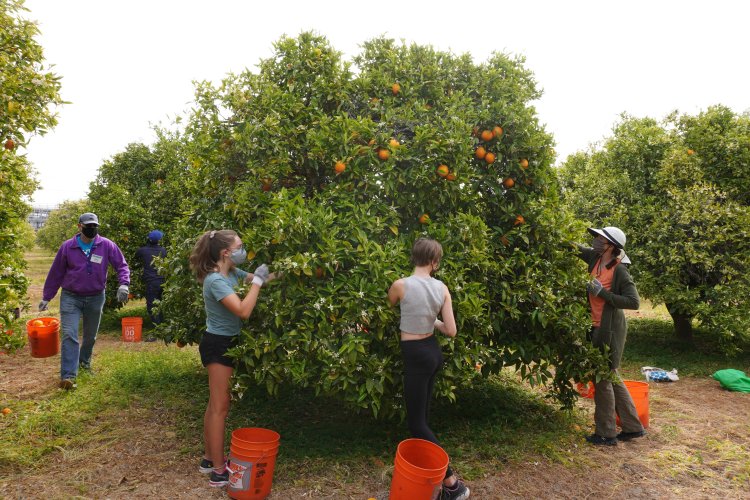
(426, 251)
(207, 249)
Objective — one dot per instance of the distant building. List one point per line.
(38, 216)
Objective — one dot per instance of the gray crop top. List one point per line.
(423, 299)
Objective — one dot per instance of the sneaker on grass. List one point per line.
(627, 436)
(459, 491)
(601, 440)
(206, 466)
(67, 384)
(218, 480)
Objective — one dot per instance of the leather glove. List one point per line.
(594, 287)
(122, 293)
(44, 305)
(260, 275)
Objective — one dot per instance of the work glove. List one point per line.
(594, 287)
(260, 275)
(122, 293)
(44, 305)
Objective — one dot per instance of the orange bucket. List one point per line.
(639, 392)
(131, 329)
(252, 454)
(44, 337)
(586, 391)
(419, 470)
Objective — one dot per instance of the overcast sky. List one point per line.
(127, 65)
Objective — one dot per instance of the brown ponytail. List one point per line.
(207, 249)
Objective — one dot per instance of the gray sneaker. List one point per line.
(459, 491)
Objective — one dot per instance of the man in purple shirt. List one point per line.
(80, 269)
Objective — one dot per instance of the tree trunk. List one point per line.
(683, 324)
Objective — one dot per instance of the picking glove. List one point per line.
(44, 305)
(122, 293)
(594, 287)
(260, 275)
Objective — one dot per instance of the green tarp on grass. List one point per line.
(733, 380)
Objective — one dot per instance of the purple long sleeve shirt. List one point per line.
(82, 275)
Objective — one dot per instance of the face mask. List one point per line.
(599, 246)
(238, 256)
(89, 232)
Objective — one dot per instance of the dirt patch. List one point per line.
(698, 446)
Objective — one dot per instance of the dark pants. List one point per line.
(422, 361)
(153, 292)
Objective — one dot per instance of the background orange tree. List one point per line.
(330, 169)
(680, 189)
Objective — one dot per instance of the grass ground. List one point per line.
(142, 412)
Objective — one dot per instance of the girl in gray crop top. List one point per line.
(422, 299)
(421, 303)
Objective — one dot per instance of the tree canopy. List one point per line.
(680, 189)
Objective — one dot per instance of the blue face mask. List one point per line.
(238, 256)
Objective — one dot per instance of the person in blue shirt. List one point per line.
(214, 261)
(152, 281)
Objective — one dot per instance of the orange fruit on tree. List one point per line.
(443, 170)
(424, 219)
(497, 131)
(371, 142)
(384, 154)
(395, 88)
(451, 177)
(508, 182)
(489, 158)
(394, 143)
(487, 135)
(480, 152)
(524, 163)
(519, 220)
(690, 151)
(339, 167)
(9, 144)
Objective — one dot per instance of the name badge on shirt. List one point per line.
(96, 259)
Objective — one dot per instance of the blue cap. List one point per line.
(155, 235)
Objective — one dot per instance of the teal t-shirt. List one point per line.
(85, 247)
(219, 319)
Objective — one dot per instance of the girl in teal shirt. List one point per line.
(214, 261)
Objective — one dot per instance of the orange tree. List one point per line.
(28, 93)
(61, 224)
(136, 191)
(329, 174)
(679, 188)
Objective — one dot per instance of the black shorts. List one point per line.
(213, 349)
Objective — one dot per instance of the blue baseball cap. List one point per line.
(155, 235)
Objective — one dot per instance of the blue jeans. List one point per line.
(72, 308)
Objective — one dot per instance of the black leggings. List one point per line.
(422, 361)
